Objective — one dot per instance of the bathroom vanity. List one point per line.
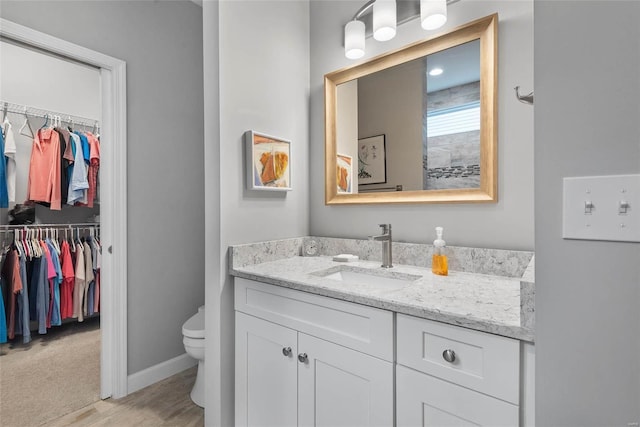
(320, 342)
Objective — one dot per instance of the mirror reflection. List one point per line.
(418, 123)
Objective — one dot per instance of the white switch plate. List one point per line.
(604, 222)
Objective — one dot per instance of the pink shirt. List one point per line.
(44, 169)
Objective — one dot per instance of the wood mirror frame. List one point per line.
(484, 29)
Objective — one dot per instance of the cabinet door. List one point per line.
(338, 386)
(423, 400)
(266, 377)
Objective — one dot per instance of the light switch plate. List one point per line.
(601, 208)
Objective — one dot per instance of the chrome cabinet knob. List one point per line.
(286, 351)
(302, 357)
(449, 356)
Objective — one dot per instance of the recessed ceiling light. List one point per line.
(435, 71)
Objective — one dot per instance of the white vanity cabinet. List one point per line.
(451, 376)
(307, 360)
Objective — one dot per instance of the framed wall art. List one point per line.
(372, 162)
(344, 171)
(268, 162)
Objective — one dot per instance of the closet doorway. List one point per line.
(113, 196)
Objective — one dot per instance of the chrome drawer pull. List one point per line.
(302, 357)
(449, 356)
(286, 351)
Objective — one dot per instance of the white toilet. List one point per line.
(193, 332)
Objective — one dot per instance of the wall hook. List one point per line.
(525, 99)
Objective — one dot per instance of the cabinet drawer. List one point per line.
(362, 328)
(484, 362)
(423, 400)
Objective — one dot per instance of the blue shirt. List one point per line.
(3, 319)
(4, 192)
(86, 150)
(40, 288)
(78, 183)
(55, 314)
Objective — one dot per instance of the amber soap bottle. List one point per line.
(439, 263)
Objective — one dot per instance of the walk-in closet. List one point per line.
(50, 234)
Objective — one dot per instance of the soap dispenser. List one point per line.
(439, 264)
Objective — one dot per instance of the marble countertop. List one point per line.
(483, 302)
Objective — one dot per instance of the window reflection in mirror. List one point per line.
(451, 118)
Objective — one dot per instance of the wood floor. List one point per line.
(165, 404)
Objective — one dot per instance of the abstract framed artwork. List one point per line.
(268, 162)
(344, 171)
(372, 162)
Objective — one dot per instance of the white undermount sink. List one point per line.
(368, 277)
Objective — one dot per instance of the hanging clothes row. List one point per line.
(46, 277)
(63, 167)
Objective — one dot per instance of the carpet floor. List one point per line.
(53, 375)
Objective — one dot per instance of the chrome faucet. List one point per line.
(385, 238)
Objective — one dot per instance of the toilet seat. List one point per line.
(194, 327)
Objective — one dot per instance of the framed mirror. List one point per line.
(419, 123)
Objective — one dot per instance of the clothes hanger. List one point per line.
(38, 241)
(46, 121)
(22, 243)
(5, 121)
(26, 125)
(16, 242)
(96, 130)
(56, 241)
(69, 237)
(29, 243)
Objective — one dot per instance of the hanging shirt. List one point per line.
(11, 277)
(94, 166)
(79, 284)
(78, 184)
(4, 192)
(24, 307)
(56, 319)
(96, 297)
(86, 150)
(68, 277)
(64, 162)
(51, 274)
(88, 275)
(44, 169)
(39, 293)
(70, 156)
(10, 154)
(3, 319)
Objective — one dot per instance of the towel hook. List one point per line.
(525, 99)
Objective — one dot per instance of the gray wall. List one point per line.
(587, 86)
(263, 83)
(214, 392)
(162, 45)
(507, 224)
(390, 103)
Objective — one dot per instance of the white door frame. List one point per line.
(113, 199)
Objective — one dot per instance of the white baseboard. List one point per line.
(159, 372)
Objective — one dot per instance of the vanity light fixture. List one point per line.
(433, 15)
(436, 71)
(384, 20)
(354, 39)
